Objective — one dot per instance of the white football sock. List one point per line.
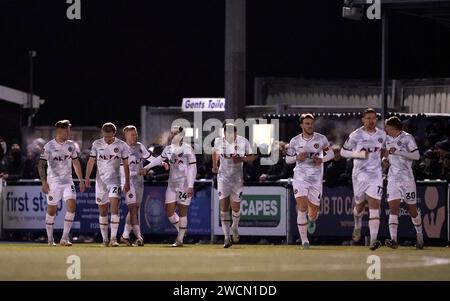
(302, 223)
(393, 226)
(236, 217)
(68, 222)
(374, 223)
(115, 219)
(417, 221)
(103, 221)
(183, 228)
(357, 217)
(225, 218)
(49, 221)
(175, 219)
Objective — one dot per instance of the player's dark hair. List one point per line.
(305, 116)
(229, 125)
(369, 111)
(395, 122)
(129, 128)
(109, 127)
(62, 124)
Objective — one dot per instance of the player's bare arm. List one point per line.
(89, 167)
(215, 162)
(126, 168)
(78, 171)
(42, 169)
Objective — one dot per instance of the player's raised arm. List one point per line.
(349, 146)
(290, 153)
(328, 151)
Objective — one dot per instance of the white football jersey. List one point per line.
(59, 161)
(307, 170)
(400, 167)
(109, 157)
(240, 147)
(360, 140)
(138, 154)
(179, 158)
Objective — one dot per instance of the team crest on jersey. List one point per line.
(236, 147)
(50, 198)
(220, 193)
(295, 191)
(380, 140)
(116, 150)
(316, 145)
(99, 200)
(399, 143)
(130, 196)
(70, 149)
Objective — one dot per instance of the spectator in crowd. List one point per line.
(252, 169)
(430, 167)
(279, 170)
(3, 161)
(16, 164)
(337, 172)
(445, 174)
(33, 153)
(443, 148)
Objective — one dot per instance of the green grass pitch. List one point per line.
(212, 262)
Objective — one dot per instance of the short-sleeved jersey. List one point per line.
(360, 140)
(400, 167)
(59, 158)
(109, 157)
(240, 147)
(307, 170)
(138, 154)
(179, 158)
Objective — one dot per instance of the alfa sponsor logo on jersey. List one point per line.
(61, 158)
(110, 157)
(370, 149)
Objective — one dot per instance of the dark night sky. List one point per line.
(123, 54)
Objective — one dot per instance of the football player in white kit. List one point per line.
(307, 151)
(229, 153)
(401, 151)
(108, 152)
(138, 154)
(365, 145)
(55, 171)
(182, 174)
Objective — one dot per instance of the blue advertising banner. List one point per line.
(154, 220)
(24, 208)
(336, 213)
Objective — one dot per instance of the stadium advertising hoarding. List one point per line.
(154, 220)
(24, 208)
(336, 213)
(263, 211)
